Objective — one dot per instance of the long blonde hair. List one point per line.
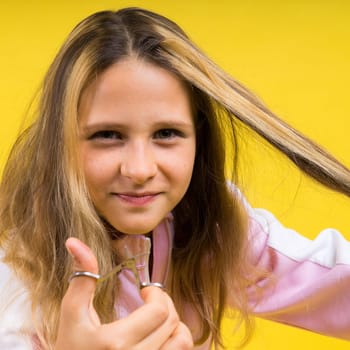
(43, 197)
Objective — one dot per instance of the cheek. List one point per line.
(97, 170)
(181, 167)
(189, 158)
(186, 169)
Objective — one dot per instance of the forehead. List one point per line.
(134, 87)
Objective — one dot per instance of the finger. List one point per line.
(155, 316)
(81, 289)
(180, 339)
(82, 255)
(150, 293)
(165, 330)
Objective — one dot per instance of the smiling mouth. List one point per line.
(137, 198)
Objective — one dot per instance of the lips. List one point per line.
(137, 198)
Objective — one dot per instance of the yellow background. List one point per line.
(294, 54)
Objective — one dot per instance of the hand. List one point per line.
(155, 325)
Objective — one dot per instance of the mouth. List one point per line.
(137, 198)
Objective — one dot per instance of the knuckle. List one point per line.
(111, 339)
(185, 340)
(185, 343)
(189, 343)
(108, 344)
(160, 312)
(174, 319)
(119, 344)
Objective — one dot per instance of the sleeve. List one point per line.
(16, 329)
(304, 283)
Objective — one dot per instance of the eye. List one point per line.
(106, 134)
(165, 134)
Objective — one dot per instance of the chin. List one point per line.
(135, 230)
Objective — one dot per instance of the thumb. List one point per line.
(82, 288)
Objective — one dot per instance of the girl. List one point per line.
(128, 156)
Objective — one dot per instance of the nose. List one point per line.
(138, 164)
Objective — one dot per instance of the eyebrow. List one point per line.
(118, 126)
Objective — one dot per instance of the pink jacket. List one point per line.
(310, 285)
(310, 289)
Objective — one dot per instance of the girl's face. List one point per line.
(137, 144)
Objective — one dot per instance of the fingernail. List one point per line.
(75, 259)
